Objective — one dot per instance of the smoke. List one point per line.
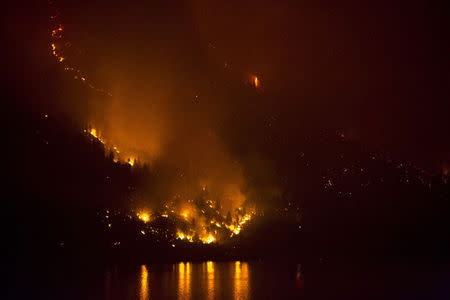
(170, 108)
(183, 101)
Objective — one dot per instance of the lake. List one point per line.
(232, 280)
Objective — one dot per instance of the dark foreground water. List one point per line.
(232, 280)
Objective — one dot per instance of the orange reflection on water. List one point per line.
(210, 279)
(184, 280)
(241, 280)
(143, 293)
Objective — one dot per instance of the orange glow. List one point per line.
(185, 214)
(210, 279)
(143, 293)
(131, 161)
(241, 280)
(115, 136)
(208, 239)
(255, 81)
(57, 36)
(93, 132)
(96, 134)
(184, 280)
(237, 227)
(182, 236)
(144, 216)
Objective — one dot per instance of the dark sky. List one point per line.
(376, 71)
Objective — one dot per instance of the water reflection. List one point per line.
(143, 293)
(232, 280)
(241, 280)
(210, 279)
(184, 280)
(195, 281)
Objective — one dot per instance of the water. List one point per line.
(232, 280)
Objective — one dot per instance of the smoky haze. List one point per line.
(377, 72)
(174, 101)
(184, 102)
(182, 92)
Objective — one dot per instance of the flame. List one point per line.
(182, 236)
(255, 81)
(208, 239)
(215, 227)
(131, 161)
(144, 216)
(93, 132)
(185, 214)
(236, 227)
(57, 38)
(58, 46)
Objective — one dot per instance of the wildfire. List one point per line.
(216, 222)
(211, 227)
(59, 44)
(255, 81)
(208, 239)
(96, 135)
(217, 226)
(131, 161)
(182, 236)
(236, 227)
(144, 216)
(185, 214)
(93, 132)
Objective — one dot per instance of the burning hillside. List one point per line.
(205, 196)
